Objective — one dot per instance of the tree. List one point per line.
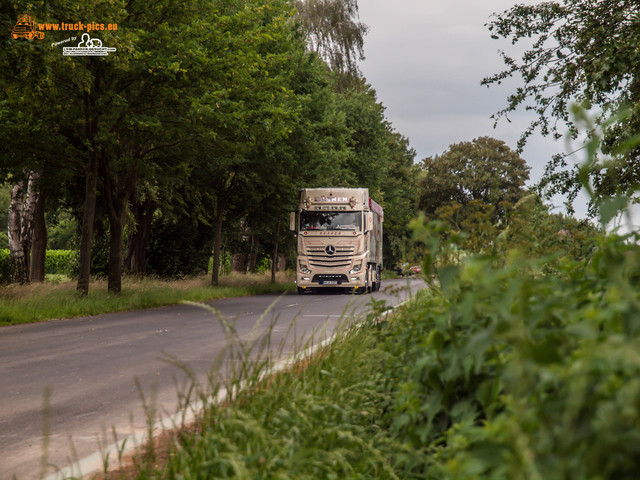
(485, 169)
(583, 51)
(5, 200)
(535, 232)
(398, 192)
(119, 113)
(242, 102)
(24, 198)
(334, 33)
(32, 77)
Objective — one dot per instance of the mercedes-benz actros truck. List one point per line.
(339, 234)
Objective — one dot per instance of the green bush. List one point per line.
(508, 372)
(62, 262)
(5, 270)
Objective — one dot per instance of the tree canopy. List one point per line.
(209, 117)
(582, 51)
(334, 33)
(484, 170)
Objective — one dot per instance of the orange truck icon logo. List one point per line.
(26, 28)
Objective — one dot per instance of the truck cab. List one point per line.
(339, 237)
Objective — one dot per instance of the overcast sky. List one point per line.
(426, 59)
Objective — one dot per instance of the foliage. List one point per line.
(399, 197)
(178, 247)
(5, 266)
(206, 111)
(511, 373)
(535, 233)
(476, 220)
(484, 169)
(523, 365)
(62, 231)
(5, 199)
(580, 51)
(333, 32)
(63, 262)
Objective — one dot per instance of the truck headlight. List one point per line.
(355, 269)
(304, 269)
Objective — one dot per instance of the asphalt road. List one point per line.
(68, 388)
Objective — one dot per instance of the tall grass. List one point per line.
(44, 301)
(499, 371)
(318, 416)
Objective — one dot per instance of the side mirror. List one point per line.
(369, 222)
(292, 222)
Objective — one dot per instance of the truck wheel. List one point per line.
(301, 291)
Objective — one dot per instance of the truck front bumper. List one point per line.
(328, 280)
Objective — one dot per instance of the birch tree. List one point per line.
(21, 224)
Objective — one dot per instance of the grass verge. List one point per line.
(40, 302)
(324, 417)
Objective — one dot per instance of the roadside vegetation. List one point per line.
(520, 360)
(499, 370)
(57, 298)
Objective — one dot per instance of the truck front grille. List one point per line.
(319, 259)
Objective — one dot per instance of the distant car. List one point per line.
(399, 268)
(416, 269)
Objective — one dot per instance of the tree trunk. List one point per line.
(238, 262)
(136, 258)
(19, 273)
(217, 242)
(39, 246)
(282, 263)
(27, 221)
(117, 195)
(116, 225)
(253, 256)
(274, 260)
(21, 224)
(88, 218)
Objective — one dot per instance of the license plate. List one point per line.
(330, 282)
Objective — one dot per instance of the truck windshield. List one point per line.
(331, 221)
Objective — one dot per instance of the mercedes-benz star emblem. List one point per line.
(330, 250)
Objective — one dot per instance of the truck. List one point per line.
(339, 237)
